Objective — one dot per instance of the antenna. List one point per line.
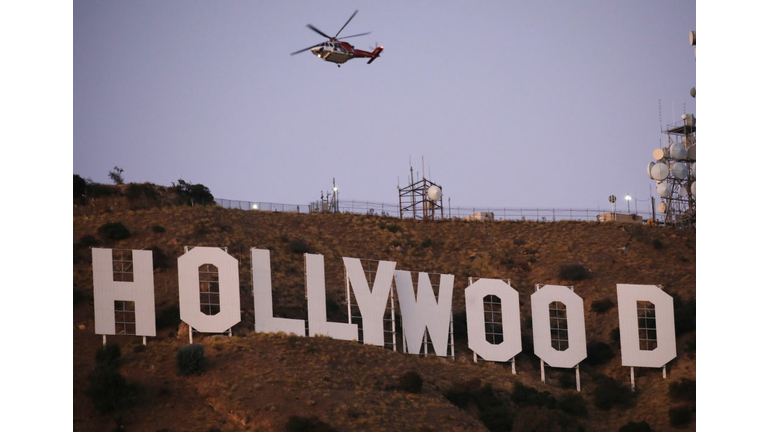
(661, 127)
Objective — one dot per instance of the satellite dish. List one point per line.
(662, 207)
(434, 193)
(659, 171)
(693, 92)
(678, 151)
(680, 170)
(682, 192)
(692, 152)
(658, 154)
(650, 165)
(612, 199)
(693, 189)
(693, 169)
(664, 190)
(692, 37)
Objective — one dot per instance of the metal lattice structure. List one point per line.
(353, 311)
(680, 206)
(415, 201)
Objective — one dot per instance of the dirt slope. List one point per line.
(257, 381)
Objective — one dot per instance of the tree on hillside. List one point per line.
(193, 193)
(117, 175)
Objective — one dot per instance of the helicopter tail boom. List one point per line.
(375, 54)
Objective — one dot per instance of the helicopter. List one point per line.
(336, 51)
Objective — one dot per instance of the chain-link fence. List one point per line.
(392, 210)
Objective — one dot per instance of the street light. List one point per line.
(628, 198)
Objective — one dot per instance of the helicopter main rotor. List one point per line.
(331, 39)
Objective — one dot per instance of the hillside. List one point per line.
(258, 381)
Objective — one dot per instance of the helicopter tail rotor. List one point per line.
(376, 54)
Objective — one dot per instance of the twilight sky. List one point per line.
(517, 104)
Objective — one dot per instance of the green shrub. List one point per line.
(609, 393)
(108, 356)
(158, 229)
(191, 194)
(411, 382)
(109, 391)
(137, 191)
(601, 306)
(78, 186)
(573, 272)
(88, 241)
(495, 412)
(523, 396)
(307, 424)
(574, 404)
(392, 228)
(190, 360)
(461, 394)
(299, 246)
(426, 243)
(642, 426)
(657, 244)
(598, 353)
(684, 390)
(679, 416)
(114, 231)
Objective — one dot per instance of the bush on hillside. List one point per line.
(411, 382)
(78, 186)
(523, 396)
(114, 231)
(642, 426)
(573, 272)
(684, 390)
(679, 416)
(193, 194)
(299, 246)
(108, 356)
(574, 404)
(609, 393)
(495, 412)
(190, 360)
(601, 306)
(109, 391)
(307, 424)
(598, 353)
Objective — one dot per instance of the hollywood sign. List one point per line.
(422, 312)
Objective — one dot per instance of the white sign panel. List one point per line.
(371, 302)
(424, 312)
(189, 290)
(106, 291)
(542, 336)
(316, 306)
(510, 320)
(262, 299)
(631, 354)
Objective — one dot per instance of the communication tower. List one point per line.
(674, 169)
(329, 202)
(421, 198)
